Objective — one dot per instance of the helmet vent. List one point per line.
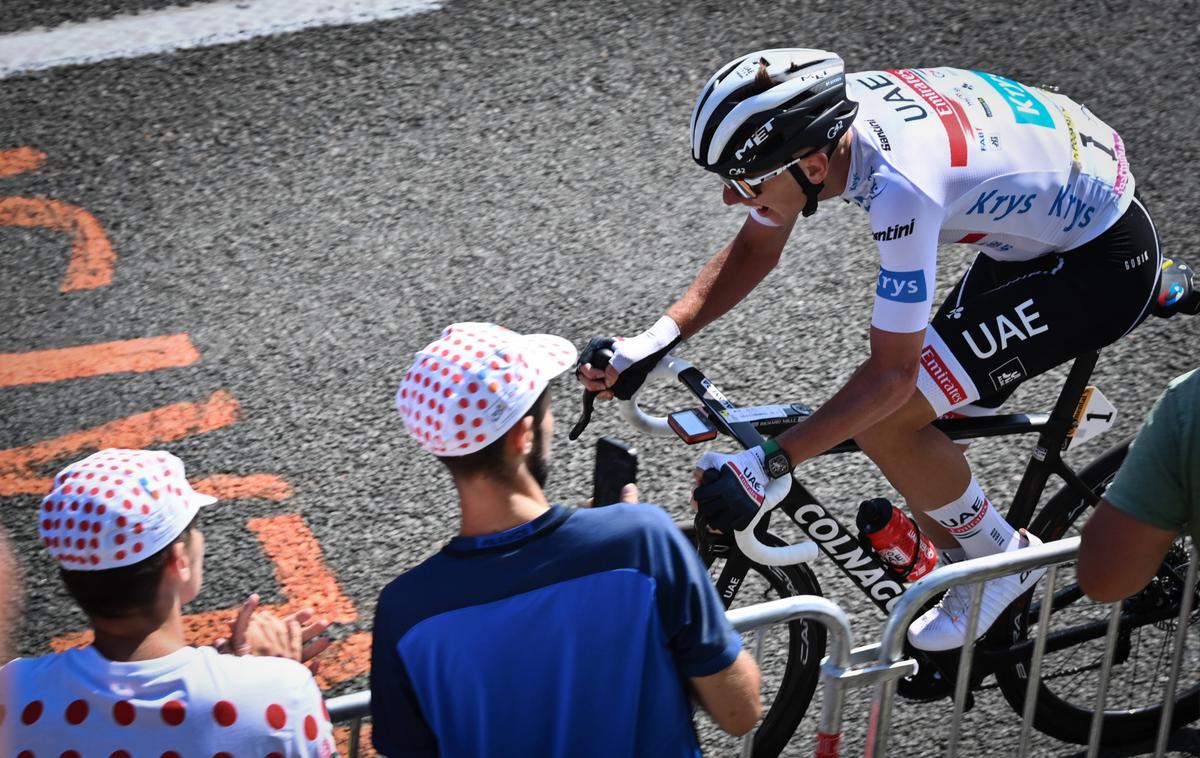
(794, 67)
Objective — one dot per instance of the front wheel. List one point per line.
(791, 654)
(1066, 698)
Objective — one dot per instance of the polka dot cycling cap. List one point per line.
(116, 508)
(467, 388)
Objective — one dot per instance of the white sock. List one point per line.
(977, 526)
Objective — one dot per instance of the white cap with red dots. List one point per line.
(116, 508)
(467, 388)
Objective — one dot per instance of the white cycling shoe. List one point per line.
(944, 627)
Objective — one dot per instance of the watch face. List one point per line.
(777, 466)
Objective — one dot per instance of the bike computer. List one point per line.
(692, 426)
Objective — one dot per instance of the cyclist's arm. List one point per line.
(731, 696)
(1119, 553)
(876, 389)
(906, 225)
(730, 275)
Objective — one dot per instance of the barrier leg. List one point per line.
(880, 726)
(1185, 610)
(355, 730)
(1110, 645)
(1032, 687)
(961, 686)
(748, 739)
(829, 730)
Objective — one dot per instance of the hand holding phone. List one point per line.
(616, 466)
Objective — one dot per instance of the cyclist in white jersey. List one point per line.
(1036, 184)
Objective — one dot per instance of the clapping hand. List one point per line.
(260, 632)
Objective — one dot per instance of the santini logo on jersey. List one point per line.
(895, 231)
(901, 286)
(883, 140)
(1026, 108)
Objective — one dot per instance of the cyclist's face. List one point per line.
(780, 198)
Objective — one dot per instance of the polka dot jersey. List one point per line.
(193, 702)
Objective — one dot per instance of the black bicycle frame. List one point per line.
(862, 566)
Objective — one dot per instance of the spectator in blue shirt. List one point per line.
(541, 630)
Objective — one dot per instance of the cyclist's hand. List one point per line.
(632, 360)
(593, 369)
(732, 487)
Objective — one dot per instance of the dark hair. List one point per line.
(123, 591)
(762, 79)
(489, 461)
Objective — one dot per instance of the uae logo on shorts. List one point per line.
(1009, 372)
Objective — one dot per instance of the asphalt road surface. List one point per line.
(311, 209)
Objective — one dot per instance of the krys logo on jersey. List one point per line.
(901, 286)
(1068, 204)
(1026, 108)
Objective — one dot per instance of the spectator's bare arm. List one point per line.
(1119, 553)
(732, 696)
(10, 596)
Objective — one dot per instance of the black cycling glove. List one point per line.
(723, 500)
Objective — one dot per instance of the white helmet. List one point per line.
(757, 111)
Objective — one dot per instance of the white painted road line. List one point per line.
(179, 28)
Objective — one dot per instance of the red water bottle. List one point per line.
(896, 539)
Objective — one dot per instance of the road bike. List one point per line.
(754, 564)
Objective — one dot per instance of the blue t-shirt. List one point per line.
(572, 634)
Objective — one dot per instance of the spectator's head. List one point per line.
(121, 524)
(478, 399)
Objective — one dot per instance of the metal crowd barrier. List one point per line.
(883, 664)
(356, 706)
(1051, 555)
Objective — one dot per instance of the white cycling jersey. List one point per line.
(942, 155)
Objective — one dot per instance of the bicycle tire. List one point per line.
(1054, 713)
(805, 646)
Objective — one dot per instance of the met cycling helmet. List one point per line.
(759, 110)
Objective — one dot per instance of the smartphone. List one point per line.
(616, 466)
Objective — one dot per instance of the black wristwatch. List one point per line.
(777, 462)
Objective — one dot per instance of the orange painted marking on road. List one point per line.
(299, 568)
(220, 486)
(249, 487)
(92, 255)
(18, 160)
(345, 660)
(304, 582)
(143, 430)
(136, 355)
(341, 735)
